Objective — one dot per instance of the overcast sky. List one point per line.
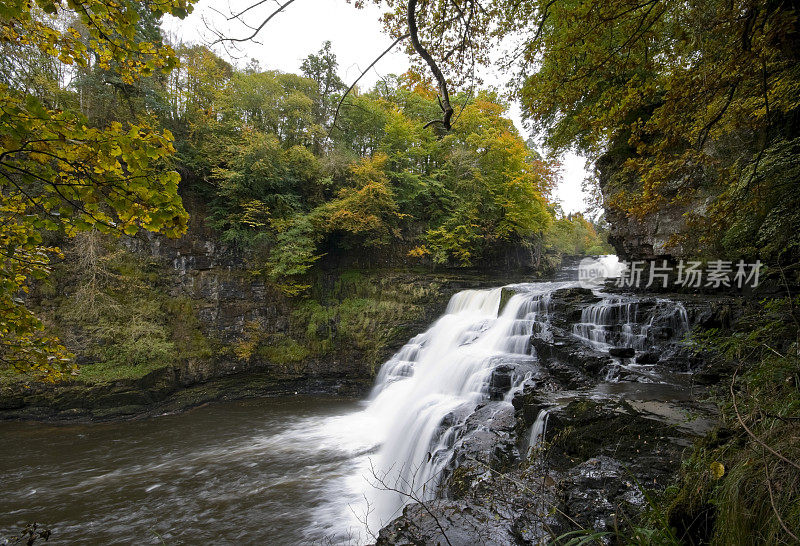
(357, 38)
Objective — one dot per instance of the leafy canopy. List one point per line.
(59, 172)
(691, 105)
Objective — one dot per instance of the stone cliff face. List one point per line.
(651, 238)
(358, 317)
(352, 321)
(256, 339)
(225, 295)
(646, 240)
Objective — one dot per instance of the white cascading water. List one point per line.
(426, 391)
(538, 431)
(613, 317)
(616, 321)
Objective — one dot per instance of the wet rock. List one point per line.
(596, 493)
(500, 382)
(448, 522)
(647, 358)
(568, 360)
(587, 428)
(622, 352)
(488, 437)
(505, 294)
(568, 375)
(567, 305)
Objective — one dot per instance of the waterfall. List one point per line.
(426, 391)
(608, 321)
(517, 384)
(618, 321)
(538, 431)
(480, 350)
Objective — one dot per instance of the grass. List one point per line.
(363, 312)
(740, 485)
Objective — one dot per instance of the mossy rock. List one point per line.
(505, 295)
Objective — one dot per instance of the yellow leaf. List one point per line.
(717, 469)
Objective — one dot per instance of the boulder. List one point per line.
(622, 352)
(648, 358)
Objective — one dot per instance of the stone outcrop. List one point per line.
(603, 445)
(650, 238)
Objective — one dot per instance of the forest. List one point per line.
(179, 226)
(278, 179)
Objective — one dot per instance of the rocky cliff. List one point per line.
(227, 331)
(662, 234)
(588, 435)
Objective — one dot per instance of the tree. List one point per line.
(499, 188)
(193, 92)
(58, 173)
(365, 209)
(574, 235)
(322, 69)
(689, 104)
(262, 184)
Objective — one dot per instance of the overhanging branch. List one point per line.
(353, 85)
(444, 95)
(256, 30)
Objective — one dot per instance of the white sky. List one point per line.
(357, 38)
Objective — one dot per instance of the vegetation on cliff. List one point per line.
(100, 110)
(59, 171)
(694, 105)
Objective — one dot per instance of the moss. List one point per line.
(365, 314)
(115, 313)
(731, 490)
(186, 330)
(505, 295)
(283, 351)
(104, 372)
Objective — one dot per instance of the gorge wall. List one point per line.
(228, 332)
(658, 235)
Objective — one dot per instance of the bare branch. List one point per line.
(409, 494)
(256, 30)
(353, 85)
(444, 94)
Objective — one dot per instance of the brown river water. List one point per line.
(262, 471)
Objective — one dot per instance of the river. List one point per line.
(271, 470)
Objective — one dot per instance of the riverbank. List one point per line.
(162, 391)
